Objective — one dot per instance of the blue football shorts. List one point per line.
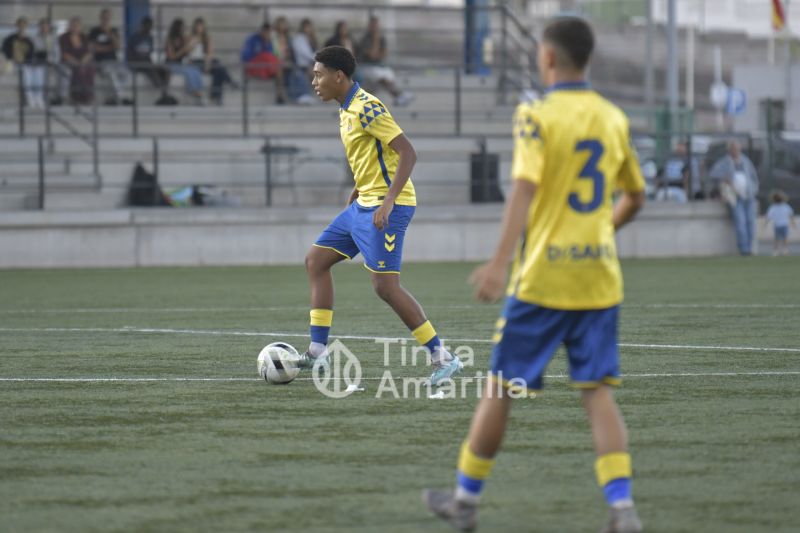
(527, 336)
(352, 232)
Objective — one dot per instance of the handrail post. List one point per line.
(47, 118)
(21, 85)
(40, 143)
(245, 103)
(155, 171)
(135, 106)
(95, 155)
(503, 51)
(268, 165)
(457, 99)
(159, 29)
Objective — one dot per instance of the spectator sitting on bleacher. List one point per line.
(260, 61)
(177, 51)
(105, 42)
(372, 53)
(46, 53)
(304, 45)
(341, 37)
(18, 48)
(76, 54)
(202, 56)
(140, 56)
(297, 84)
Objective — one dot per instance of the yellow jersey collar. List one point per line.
(350, 95)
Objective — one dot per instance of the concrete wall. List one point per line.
(282, 235)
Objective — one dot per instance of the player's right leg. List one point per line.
(459, 507)
(527, 336)
(334, 245)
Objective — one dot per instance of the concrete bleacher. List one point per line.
(204, 145)
(319, 173)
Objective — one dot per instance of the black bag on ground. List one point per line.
(144, 190)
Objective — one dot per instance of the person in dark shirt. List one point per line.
(105, 43)
(18, 48)
(139, 54)
(372, 53)
(341, 37)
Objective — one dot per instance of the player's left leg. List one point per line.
(387, 287)
(594, 365)
(383, 254)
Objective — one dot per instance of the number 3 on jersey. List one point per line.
(590, 172)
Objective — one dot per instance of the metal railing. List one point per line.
(88, 115)
(436, 40)
(282, 160)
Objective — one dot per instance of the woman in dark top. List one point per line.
(341, 37)
(76, 54)
(177, 49)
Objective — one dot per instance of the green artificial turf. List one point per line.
(713, 426)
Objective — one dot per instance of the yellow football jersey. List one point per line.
(575, 146)
(367, 128)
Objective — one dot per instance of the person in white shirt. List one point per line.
(781, 214)
(304, 45)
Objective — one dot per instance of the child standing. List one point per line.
(780, 213)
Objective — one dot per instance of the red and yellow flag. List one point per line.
(778, 15)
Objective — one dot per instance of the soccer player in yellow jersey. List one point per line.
(377, 215)
(572, 153)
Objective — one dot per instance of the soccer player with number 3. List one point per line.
(572, 153)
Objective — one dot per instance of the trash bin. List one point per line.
(484, 170)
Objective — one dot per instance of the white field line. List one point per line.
(254, 379)
(450, 341)
(120, 310)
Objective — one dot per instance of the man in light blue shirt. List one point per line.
(737, 171)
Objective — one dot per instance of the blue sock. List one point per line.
(468, 488)
(618, 490)
(321, 320)
(433, 343)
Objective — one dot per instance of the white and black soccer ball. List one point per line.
(278, 363)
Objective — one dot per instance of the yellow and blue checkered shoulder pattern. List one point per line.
(367, 127)
(575, 146)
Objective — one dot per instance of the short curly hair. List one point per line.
(337, 58)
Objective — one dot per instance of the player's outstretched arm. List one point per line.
(626, 208)
(490, 278)
(408, 158)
